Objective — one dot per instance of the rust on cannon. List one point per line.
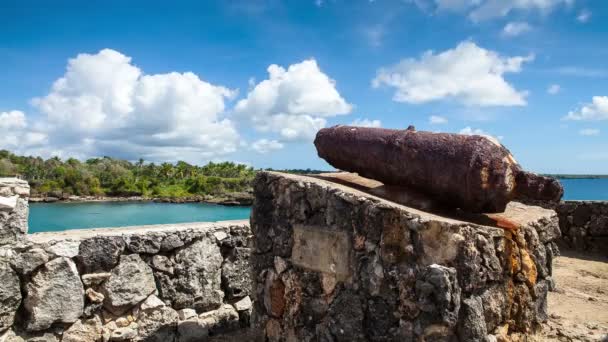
(471, 172)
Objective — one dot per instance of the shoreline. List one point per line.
(236, 199)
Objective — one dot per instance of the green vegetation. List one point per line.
(114, 177)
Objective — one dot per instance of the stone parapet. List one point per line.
(14, 194)
(334, 262)
(584, 225)
(180, 282)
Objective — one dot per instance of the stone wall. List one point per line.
(333, 263)
(584, 225)
(183, 282)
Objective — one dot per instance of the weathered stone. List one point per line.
(171, 242)
(123, 334)
(94, 296)
(13, 220)
(196, 282)
(162, 263)
(129, 283)
(152, 302)
(94, 279)
(185, 314)
(471, 326)
(54, 294)
(322, 250)
(28, 261)
(64, 248)
(413, 273)
(100, 253)
(149, 244)
(89, 330)
(243, 304)
(157, 325)
(236, 273)
(10, 295)
(122, 322)
(221, 320)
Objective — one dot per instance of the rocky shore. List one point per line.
(228, 199)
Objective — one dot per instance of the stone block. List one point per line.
(338, 259)
(14, 210)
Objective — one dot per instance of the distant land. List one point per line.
(569, 176)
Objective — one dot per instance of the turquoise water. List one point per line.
(62, 216)
(585, 189)
(46, 217)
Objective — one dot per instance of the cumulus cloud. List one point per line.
(293, 102)
(597, 110)
(105, 105)
(467, 73)
(16, 133)
(516, 28)
(265, 145)
(554, 89)
(589, 131)
(366, 123)
(437, 120)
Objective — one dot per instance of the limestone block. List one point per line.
(196, 282)
(100, 253)
(14, 209)
(130, 282)
(54, 294)
(157, 325)
(10, 295)
(83, 331)
(347, 259)
(236, 274)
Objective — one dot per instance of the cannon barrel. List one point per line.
(471, 172)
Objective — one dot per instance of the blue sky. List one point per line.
(251, 81)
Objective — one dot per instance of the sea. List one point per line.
(63, 216)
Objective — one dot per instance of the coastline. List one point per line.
(229, 199)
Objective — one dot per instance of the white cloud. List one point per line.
(584, 16)
(467, 73)
(595, 111)
(293, 102)
(554, 89)
(470, 131)
(16, 133)
(105, 105)
(437, 120)
(366, 123)
(516, 28)
(480, 10)
(265, 145)
(589, 132)
(491, 9)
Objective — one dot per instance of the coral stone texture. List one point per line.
(182, 282)
(14, 194)
(334, 262)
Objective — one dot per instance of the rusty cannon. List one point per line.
(471, 172)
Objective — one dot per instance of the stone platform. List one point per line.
(341, 258)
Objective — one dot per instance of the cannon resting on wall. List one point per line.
(471, 172)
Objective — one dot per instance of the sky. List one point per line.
(252, 81)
